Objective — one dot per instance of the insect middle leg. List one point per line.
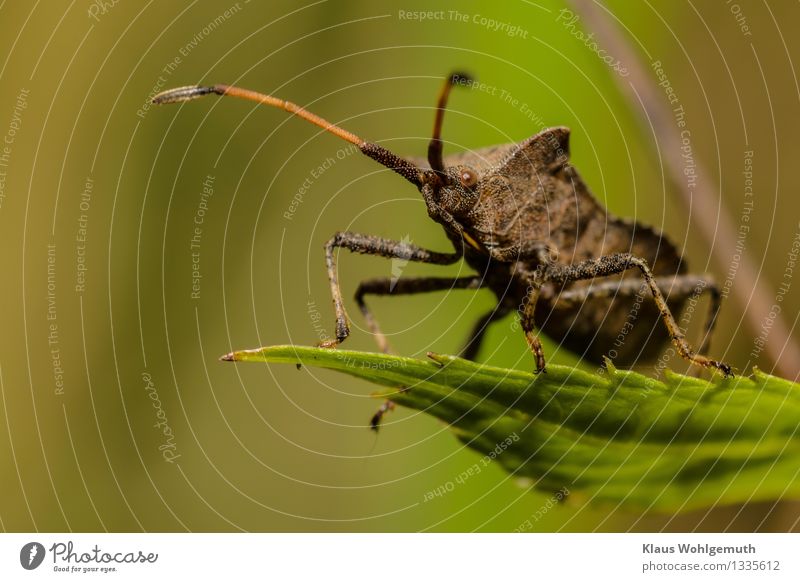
(371, 245)
(473, 344)
(526, 311)
(618, 263)
(410, 286)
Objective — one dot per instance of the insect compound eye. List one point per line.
(468, 178)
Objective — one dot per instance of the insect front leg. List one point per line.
(410, 286)
(370, 245)
(618, 263)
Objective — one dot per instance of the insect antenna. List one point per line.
(381, 155)
(435, 147)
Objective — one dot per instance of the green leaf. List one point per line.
(618, 437)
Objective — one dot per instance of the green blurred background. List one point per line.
(273, 448)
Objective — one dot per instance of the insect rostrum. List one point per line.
(522, 217)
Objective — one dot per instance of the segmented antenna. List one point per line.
(180, 94)
(435, 146)
(383, 156)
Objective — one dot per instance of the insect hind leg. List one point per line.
(620, 262)
(679, 287)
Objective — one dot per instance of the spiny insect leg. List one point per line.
(528, 326)
(409, 286)
(618, 263)
(678, 287)
(371, 245)
(473, 344)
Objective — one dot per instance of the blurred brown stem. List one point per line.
(640, 89)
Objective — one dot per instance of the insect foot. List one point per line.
(702, 361)
(375, 421)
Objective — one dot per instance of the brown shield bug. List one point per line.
(522, 217)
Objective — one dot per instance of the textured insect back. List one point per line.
(544, 153)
